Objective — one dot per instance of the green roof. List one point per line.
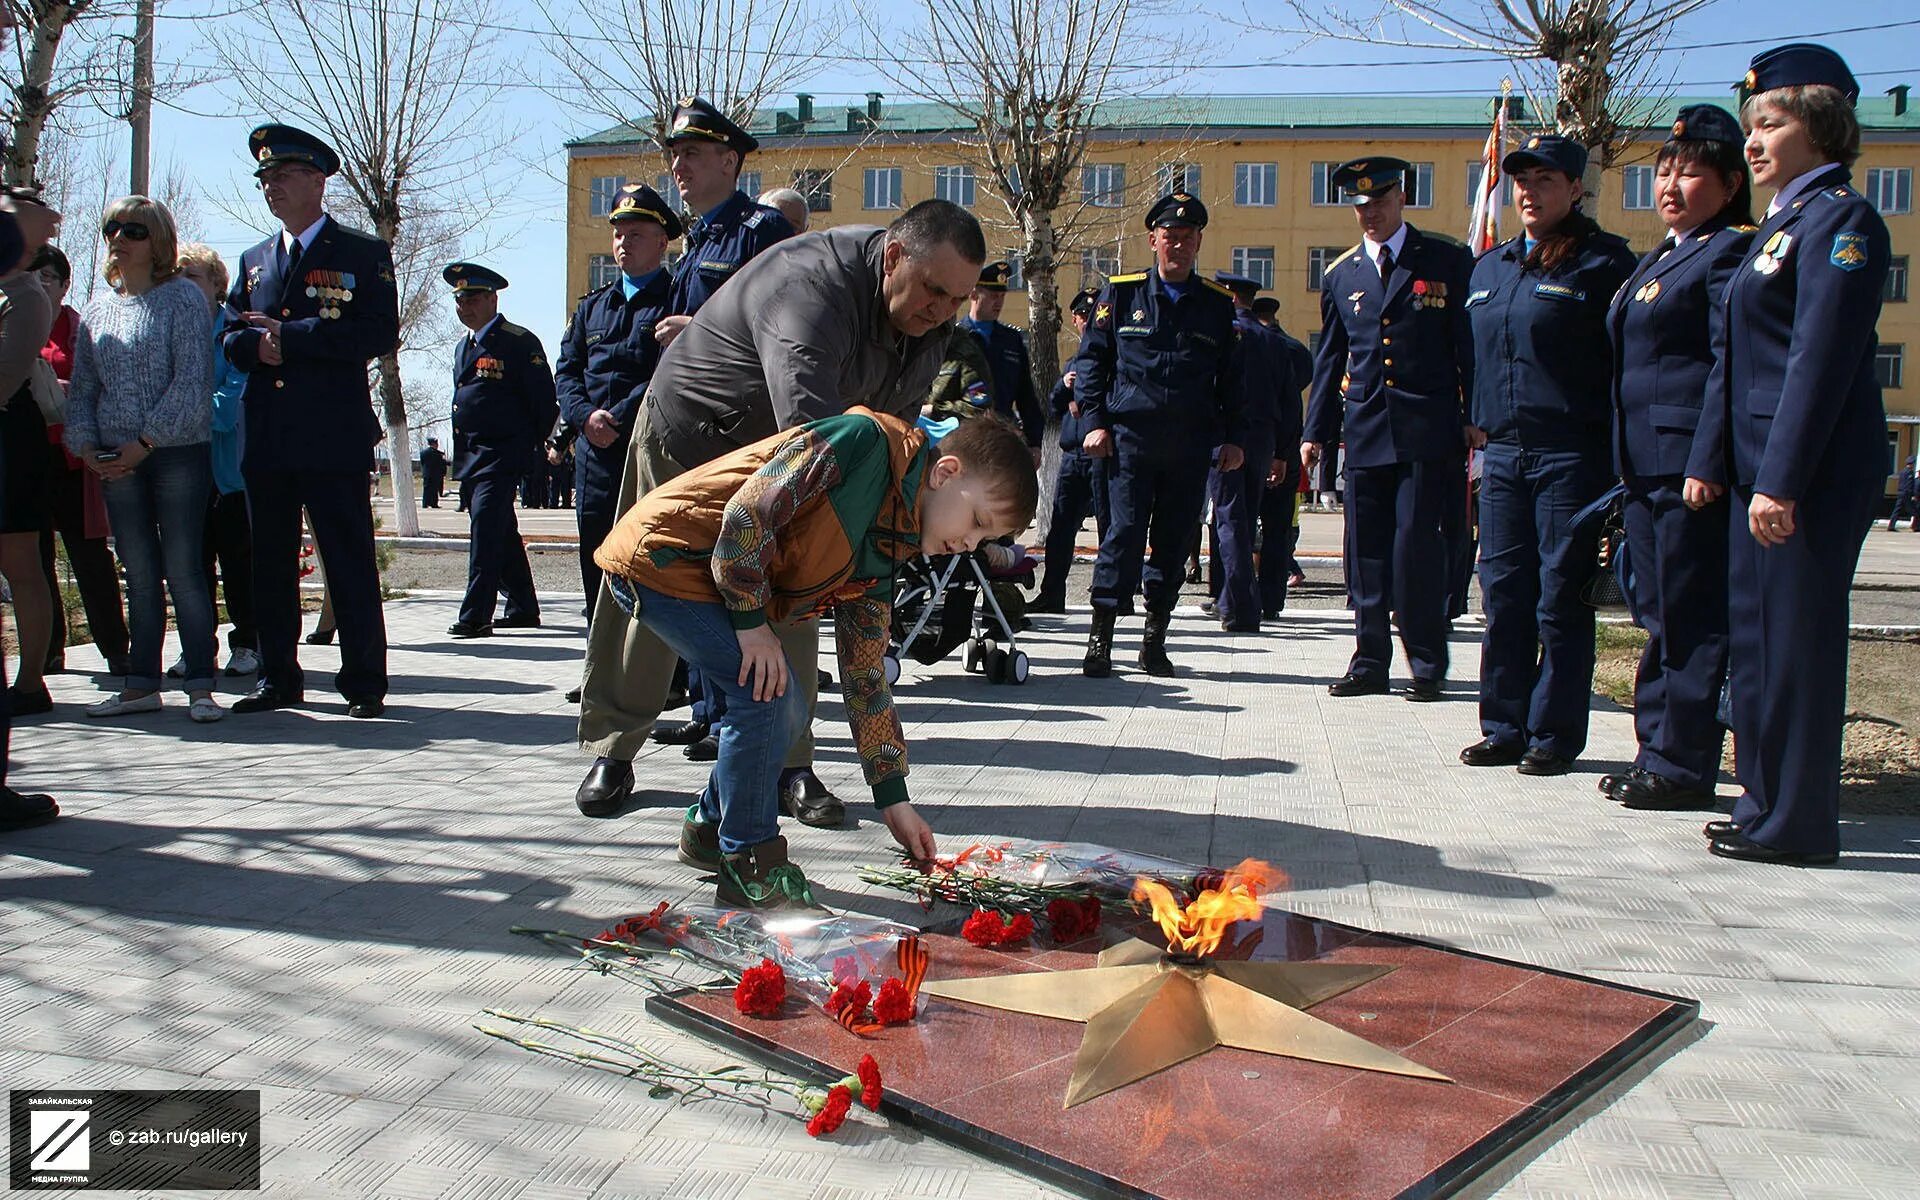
(781, 126)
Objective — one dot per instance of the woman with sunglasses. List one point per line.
(140, 413)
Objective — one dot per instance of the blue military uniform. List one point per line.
(503, 408)
(1280, 499)
(1158, 375)
(1393, 373)
(433, 473)
(1006, 347)
(1542, 393)
(719, 244)
(1079, 489)
(607, 355)
(1264, 377)
(1662, 355)
(310, 429)
(1794, 412)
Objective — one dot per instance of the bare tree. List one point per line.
(403, 91)
(1028, 83)
(1594, 64)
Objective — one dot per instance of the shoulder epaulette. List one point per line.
(1358, 249)
(1136, 277)
(1744, 228)
(755, 217)
(1217, 286)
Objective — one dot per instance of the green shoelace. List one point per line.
(785, 882)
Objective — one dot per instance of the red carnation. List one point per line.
(848, 996)
(834, 1115)
(1018, 930)
(869, 1082)
(893, 1006)
(1073, 919)
(984, 928)
(761, 990)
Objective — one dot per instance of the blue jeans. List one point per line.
(743, 793)
(159, 516)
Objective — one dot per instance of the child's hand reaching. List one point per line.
(763, 662)
(910, 830)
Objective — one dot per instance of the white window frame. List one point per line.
(1255, 262)
(957, 184)
(1102, 261)
(601, 271)
(1017, 279)
(816, 185)
(602, 192)
(1320, 192)
(1103, 185)
(881, 188)
(750, 183)
(1474, 170)
(1420, 186)
(1899, 279)
(1179, 177)
(1319, 260)
(1890, 189)
(1894, 354)
(1636, 189)
(1256, 184)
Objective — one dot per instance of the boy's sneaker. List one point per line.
(700, 843)
(244, 661)
(760, 877)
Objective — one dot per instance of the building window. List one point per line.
(669, 191)
(956, 185)
(600, 271)
(1313, 340)
(1319, 258)
(882, 188)
(1254, 262)
(750, 183)
(1419, 186)
(601, 194)
(1104, 185)
(1474, 172)
(1017, 279)
(1256, 184)
(1896, 290)
(1180, 177)
(1636, 189)
(1098, 264)
(1321, 191)
(1888, 362)
(817, 187)
(1890, 188)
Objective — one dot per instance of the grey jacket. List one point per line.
(799, 334)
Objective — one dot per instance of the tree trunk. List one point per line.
(1041, 268)
(32, 101)
(399, 447)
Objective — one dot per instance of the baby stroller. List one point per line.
(937, 606)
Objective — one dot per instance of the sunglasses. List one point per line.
(132, 231)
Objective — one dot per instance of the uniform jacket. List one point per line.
(314, 411)
(1161, 367)
(503, 401)
(800, 334)
(963, 387)
(807, 521)
(717, 246)
(1394, 372)
(433, 464)
(607, 356)
(1013, 394)
(1270, 389)
(1663, 348)
(1542, 363)
(1073, 429)
(1793, 401)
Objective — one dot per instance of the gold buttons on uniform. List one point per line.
(286, 312)
(1389, 383)
(1386, 341)
(279, 383)
(1388, 362)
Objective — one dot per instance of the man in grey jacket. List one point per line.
(810, 327)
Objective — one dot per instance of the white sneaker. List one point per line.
(114, 706)
(205, 710)
(179, 668)
(244, 661)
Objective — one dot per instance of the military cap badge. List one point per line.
(1363, 184)
(266, 152)
(1533, 143)
(1750, 80)
(1679, 129)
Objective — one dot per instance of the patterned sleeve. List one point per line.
(803, 467)
(860, 634)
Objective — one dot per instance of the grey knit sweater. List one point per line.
(142, 366)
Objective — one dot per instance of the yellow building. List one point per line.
(1259, 163)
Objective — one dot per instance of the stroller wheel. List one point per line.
(1017, 667)
(890, 665)
(976, 656)
(999, 666)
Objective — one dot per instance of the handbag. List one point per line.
(1611, 586)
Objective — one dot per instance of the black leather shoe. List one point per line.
(823, 679)
(264, 698)
(1740, 846)
(1488, 753)
(1720, 829)
(1239, 627)
(1355, 684)
(461, 629)
(366, 709)
(1153, 648)
(1650, 791)
(1609, 784)
(679, 733)
(1543, 762)
(804, 798)
(707, 749)
(1270, 614)
(520, 622)
(1422, 691)
(31, 702)
(573, 695)
(319, 637)
(608, 784)
(1048, 605)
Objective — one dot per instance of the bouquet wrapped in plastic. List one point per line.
(1023, 875)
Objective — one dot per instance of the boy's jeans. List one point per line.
(742, 794)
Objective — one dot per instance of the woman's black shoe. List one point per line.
(320, 637)
(31, 702)
(1488, 753)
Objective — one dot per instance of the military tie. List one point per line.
(1386, 263)
(1666, 247)
(293, 259)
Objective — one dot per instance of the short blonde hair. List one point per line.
(199, 254)
(160, 234)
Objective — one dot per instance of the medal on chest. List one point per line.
(332, 289)
(488, 367)
(1773, 253)
(1648, 292)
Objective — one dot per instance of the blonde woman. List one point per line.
(140, 414)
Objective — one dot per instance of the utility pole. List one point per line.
(140, 115)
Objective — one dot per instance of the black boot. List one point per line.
(1153, 647)
(1099, 661)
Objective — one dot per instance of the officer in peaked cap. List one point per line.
(309, 308)
(1006, 349)
(1266, 310)
(1081, 486)
(1157, 390)
(503, 409)
(1270, 408)
(1393, 377)
(705, 152)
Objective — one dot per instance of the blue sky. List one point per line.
(528, 236)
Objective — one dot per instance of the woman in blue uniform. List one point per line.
(1662, 356)
(1794, 430)
(1542, 396)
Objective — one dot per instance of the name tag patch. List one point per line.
(1559, 291)
(1479, 297)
